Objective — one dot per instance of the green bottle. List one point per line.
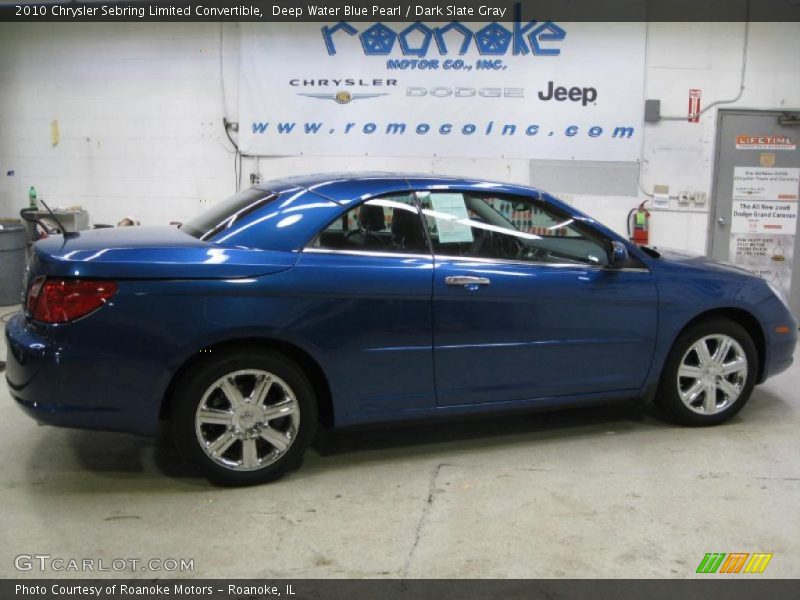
(32, 198)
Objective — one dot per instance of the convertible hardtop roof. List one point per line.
(344, 188)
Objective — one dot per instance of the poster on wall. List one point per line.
(765, 255)
(765, 200)
(764, 222)
(528, 89)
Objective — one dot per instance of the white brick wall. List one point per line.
(139, 108)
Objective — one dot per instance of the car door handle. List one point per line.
(467, 281)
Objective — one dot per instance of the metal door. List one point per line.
(755, 198)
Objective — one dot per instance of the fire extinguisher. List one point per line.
(639, 225)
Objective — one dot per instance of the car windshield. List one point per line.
(224, 214)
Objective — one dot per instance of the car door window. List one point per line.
(389, 224)
(483, 225)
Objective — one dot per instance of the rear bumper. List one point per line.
(60, 385)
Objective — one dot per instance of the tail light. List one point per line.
(62, 300)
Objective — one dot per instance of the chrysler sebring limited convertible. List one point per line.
(359, 298)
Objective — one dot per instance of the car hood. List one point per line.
(151, 252)
(700, 261)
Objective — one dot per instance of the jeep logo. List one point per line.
(584, 95)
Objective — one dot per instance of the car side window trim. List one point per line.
(535, 263)
(376, 254)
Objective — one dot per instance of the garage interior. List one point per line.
(133, 120)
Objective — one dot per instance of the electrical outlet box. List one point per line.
(652, 111)
(684, 198)
(699, 198)
(660, 196)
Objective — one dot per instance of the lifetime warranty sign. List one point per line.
(765, 142)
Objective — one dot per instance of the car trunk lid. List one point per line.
(150, 253)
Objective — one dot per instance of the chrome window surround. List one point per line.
(467, 259)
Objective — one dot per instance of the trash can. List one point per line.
(13, 240)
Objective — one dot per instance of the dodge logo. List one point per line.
(465, 92)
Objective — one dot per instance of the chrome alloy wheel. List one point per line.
(247, 420)
(712, 374)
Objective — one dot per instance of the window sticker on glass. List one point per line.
(450, 212)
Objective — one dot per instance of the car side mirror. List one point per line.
(618, 256)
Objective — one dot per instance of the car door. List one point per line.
(365, 287)
(525, 305)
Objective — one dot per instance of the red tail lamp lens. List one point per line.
(62, 300)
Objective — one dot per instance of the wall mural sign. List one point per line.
(764, 222)
(515, 89)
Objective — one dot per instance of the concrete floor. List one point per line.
(604, 492)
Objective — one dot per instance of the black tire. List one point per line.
(668, 397)
(200, 380)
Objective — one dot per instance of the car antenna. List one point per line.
(64, 232)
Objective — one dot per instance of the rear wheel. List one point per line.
(244, 417)
(709, 374)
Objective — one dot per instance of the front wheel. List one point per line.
(709, 374)
(244, 417)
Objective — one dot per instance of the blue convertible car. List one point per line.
(358, 298)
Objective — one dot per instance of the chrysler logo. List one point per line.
(340, 97)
